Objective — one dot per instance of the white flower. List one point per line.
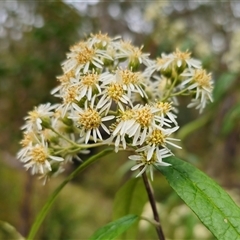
(120, 141)
(156, 141)
(87, 84)
(35, 117)
(113, 92)
(166, 109)
(101, 40)
(81, 56)
(138, 122)
(65, 81)
(131, 81)
(69, 96)
(177, 60)
(134, 54)
(201, 84)
(39, 158)
(143, 164)
(90, 120)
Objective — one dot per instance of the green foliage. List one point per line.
(223, 84)
(231, 119)
(210, 202)
(130, 199)
(42, 214)
(114, 229)
(9, 232)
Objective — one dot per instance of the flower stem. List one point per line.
(153, 206)
(37, 223)
(63, 137)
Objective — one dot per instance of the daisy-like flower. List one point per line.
(113, 92)
(35, 118)
(157, 140)
(184, 58)
(82, 55)
(166, 109)
(89, 120)
(131, 81)
(69, 97)
(87, 84)
(134, 54)
(143, 164)
(29, 138)
(39, 158)
(177, 60)
(201, 83)
(101, 41)
(138, 122)
(65, 81)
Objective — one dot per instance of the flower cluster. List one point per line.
(111, 93)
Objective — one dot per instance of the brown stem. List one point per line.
(153, 205)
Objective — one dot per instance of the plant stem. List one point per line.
(153, 205)
(53, 196)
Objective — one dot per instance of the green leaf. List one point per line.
(130, 199)
(213, 206)
(114, 229)
(7, 231)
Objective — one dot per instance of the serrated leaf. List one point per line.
(130, 199)
(114, 229)
(213, 206)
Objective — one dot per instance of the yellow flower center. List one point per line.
(156, 137)
(144, 116)
(128, 76)
(202, 78)
(134, 52)
(78, 46)
(90, 79)
(102, 38)
(70, 95)
(90, 119)
(27, 139)
(85, 55)
(182, 55)
(150, 161)
(126, 45)
(66, 77)
(39, 154)
(34, 115)
(127, 115)
(164, 107)
(115, 91)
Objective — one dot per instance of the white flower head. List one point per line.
(87, 84)
(134, 54)
(38, 158)
(199, 82)
(131, 81)
(35, 118)
(83, 55)
(143, 164)
(113, 92)
(157, 140)
(138, 122)
(89, 120)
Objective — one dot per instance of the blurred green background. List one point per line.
(34, 38)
